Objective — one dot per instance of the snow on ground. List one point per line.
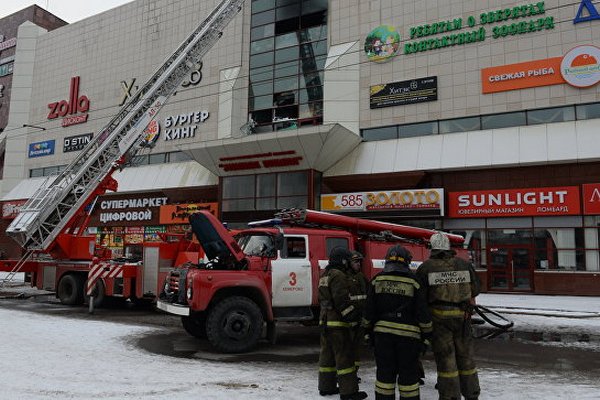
(17, 286)
(582, 304)
(17, 278)
(48, 357)
(569, 318)
(45, 357)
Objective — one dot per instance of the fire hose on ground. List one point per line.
(500, 323)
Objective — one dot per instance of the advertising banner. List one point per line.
(76, 143)
(405, 92)
(41, 149)
(7, 44)
(587, 12)
(522, 75)
(134, 235)
(151, 233)
(74, 110)
(550, 201)
(137, 209)
(11, 209)
(591, 199)
(581, 66)
(382, 43)
(7, 69)
(110, 237)
(414, 199)
(179, 213)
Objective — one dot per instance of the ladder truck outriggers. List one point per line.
(51, 226)
(270, 271)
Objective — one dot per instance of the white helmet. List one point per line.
(439, 241)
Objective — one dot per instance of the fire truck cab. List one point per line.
(269, 273)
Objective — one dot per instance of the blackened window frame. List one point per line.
(300, 102)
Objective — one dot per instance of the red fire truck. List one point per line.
(270, 271)
(52, 224)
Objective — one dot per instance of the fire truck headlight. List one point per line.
(189, 293)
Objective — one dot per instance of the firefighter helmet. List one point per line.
(439, 241)
(340, 256)
(356, 256)
(398, 254)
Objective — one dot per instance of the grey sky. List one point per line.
(68, 10)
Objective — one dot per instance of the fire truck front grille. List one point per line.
(173, 282)
(174, 287)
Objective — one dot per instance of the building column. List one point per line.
(341, 91)
(592, 259)
(20, 106)
(230, 104)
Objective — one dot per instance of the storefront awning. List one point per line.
(164, 176)
(314, 147)
(135, 179)
(27, 187)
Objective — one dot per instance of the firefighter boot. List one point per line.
(354, 396)
(330, 392)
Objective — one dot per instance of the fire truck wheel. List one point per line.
(70, 290)
(195, 325)
(99, 294)
(234, 325)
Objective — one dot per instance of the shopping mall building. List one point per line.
(475, 117)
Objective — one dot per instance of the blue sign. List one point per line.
(586, 5)
(41, 149)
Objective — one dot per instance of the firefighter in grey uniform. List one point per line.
(337, 372)
(451, 285)
(358, 297)
(397, 313)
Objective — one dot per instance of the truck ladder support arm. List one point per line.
(302, 216)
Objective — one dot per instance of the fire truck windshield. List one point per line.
(257, 245)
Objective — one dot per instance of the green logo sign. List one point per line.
(382, 43)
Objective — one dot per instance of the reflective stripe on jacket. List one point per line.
(337, 308)
(396, 304)
(451, 283)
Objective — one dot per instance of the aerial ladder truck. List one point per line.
(52, 224)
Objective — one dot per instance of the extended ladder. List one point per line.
(9, 277)
(51, 209)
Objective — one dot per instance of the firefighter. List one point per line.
(358, 296)
(451, 285)
(337, 373)
(396, 312)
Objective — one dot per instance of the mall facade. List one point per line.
(475, 119)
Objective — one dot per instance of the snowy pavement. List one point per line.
(553, 320)
(550, 305)
(549, 319)
(49, 357)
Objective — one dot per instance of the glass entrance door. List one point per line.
(510, 268)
